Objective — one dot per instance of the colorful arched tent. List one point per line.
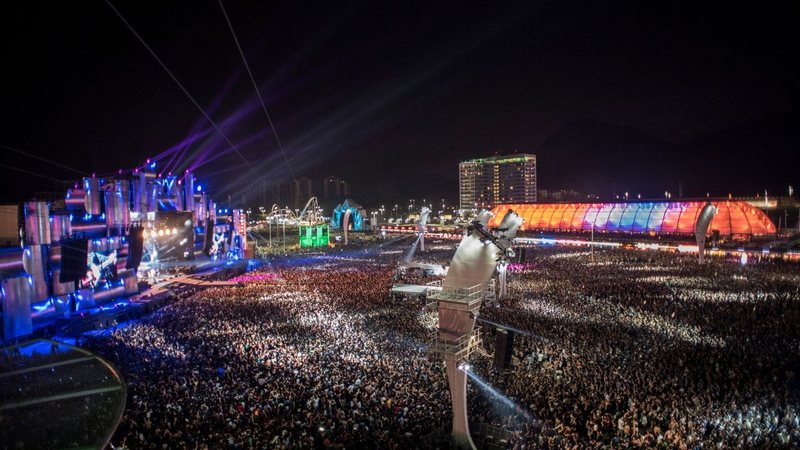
(732, 218)
(357, 215)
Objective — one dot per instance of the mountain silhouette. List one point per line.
(758, 155)
(595, 157)
(742, 159)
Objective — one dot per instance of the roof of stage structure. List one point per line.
(437, 268)
(733, 217)
(56, 395)
(409, 289)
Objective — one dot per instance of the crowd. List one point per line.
(652, 350)
(316, 357)
(635, 348)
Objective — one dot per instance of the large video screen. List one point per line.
(101, 269)
(173, 236)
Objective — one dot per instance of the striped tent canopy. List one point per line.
(732, 218)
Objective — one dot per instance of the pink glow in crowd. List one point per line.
(259, 277)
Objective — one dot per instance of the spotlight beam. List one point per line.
(255, 86)
(180, 85)
(16, 150)
(29, 173)
(493, 393)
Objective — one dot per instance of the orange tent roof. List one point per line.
(733, 217)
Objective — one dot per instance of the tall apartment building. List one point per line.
(485, 182)
(294, 194)
(335, 188)
(301, 190)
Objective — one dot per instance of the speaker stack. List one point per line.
(523, 253)
(209, 237)
(503, 348)
(73, 260)
(135, 248)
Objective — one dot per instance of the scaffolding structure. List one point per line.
(461, 348)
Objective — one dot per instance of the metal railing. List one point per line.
(462, 348)
(459, 294)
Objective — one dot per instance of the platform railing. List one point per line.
(462, 347)
(459, 294)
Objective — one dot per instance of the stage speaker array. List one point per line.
(73, 260)
(135, 248)
(523, 254)
(503, 348)
(209, 236)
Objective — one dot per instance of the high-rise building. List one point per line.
(335, 188)
(272, 192)
(301, 191)
(486, 182)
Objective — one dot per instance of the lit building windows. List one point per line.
(493, 180)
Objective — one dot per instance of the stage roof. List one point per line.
(409, 289)
(732, 218)
(437, 269)
(54, 395)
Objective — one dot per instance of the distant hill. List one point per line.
(592, 156)
(741, 158)
(757, 155)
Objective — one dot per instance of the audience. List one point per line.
(635, 349)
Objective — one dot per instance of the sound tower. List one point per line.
(523, 253)
(135, 248)
(209, 237)
(73, 260)
(503, 348)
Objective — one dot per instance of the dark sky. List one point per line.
(389, 98)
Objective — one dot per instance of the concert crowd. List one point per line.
(634, 348)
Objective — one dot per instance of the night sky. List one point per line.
(391, 98)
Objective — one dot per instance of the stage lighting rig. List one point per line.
(487, 237)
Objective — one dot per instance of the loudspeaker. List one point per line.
(135, 248)
(523, 253)
(209, 237)
(73, 260)
(503, 348)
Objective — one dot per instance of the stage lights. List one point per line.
(160, 233)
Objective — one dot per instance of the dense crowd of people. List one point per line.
(653, 350)
(317, 357)
(635, 348)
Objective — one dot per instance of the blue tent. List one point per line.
(357, 214)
